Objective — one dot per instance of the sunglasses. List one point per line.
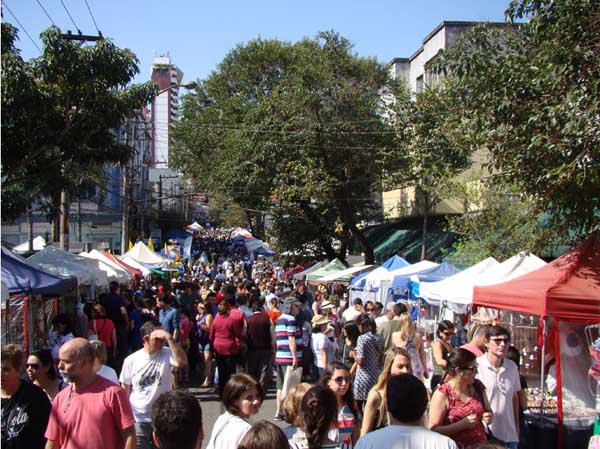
(32, 365)
(340, 380)
(369, 309)
(448, 334)
(473, 369)
(500, 340)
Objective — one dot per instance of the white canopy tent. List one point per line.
(135, 264)
(55, 260)
(113, 273)
(344, 275)
(195, 226)
(39, 243)
(456, 291)
(144, 255)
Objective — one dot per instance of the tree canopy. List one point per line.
(531, 93)
(298, 126)
(59, 112)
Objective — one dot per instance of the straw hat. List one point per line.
(318, 320)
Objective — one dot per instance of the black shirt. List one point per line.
(25, 418)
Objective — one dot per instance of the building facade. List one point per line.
(165, 108)
(415, 72)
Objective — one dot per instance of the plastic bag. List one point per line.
(291, 378)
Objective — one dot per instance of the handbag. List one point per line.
(291, 378)
(94, 336)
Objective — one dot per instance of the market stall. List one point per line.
(32, 302)
(565, 294)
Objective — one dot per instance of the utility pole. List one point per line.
(125, 199)
(30, 227)
(160, 194)
(79, 235)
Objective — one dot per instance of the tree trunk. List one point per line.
(64, 220)
(323, 239)
(343, 250)
(425, 225)
(364, 245)
(30, 228)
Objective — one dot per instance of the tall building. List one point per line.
(164, 108)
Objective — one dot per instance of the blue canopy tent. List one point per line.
(23, 278)
(394, 262)
(442, 271)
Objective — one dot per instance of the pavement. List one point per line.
(212, 407)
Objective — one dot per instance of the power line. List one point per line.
(22, 27)
(70, 17)
(46, 12)
(93, 19)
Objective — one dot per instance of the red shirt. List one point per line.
(104, 328)
(90, 418)
(226, 333)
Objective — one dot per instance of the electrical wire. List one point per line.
(22, 27)
(70, 16)
(46, 12)
(93, 19)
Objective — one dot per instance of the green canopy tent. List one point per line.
(332, 267)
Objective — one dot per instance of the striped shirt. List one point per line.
(286, 327)
(345, 422)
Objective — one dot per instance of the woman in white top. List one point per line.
(322, 347)
(242, 398)
(100, 356)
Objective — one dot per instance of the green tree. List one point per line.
(299, 125)
(430, 155)
(60, 110)
(532, 97)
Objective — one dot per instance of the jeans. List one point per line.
(143, 435)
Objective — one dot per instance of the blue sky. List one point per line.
(198, 34)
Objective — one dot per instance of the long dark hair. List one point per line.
(317, 411)
(366, 323)
(352, 332)
(327, 375)
(45, 356)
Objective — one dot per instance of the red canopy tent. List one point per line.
(567, 290)
(134, 271)
(292, 271)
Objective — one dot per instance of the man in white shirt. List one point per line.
(387, 316)
(406, 398)
(146, 375)
(351, 313)
(502, 385)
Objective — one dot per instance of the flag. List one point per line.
(130, 245)
(150, 244)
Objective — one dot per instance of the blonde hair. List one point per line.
(407, 327)
(381, 386)
(292, 402)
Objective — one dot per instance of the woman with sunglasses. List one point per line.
(459, 407)
(204, 322)
(397, 361)
(441, 349)
(337, 378)
(41, 371)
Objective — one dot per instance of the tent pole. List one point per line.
(542, 367)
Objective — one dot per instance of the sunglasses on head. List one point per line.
(340, 380)
(32, 365)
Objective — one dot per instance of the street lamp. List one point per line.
(189, 85)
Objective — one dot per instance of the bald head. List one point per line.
(76, 362)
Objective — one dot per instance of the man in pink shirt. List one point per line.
(91, 412)
(477, 343)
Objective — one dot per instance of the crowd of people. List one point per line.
(346, 375)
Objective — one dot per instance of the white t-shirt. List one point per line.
(228, 431)
(380, 320)
(500, 386)
(321, 341)
(108, 373)
(350, 314)
(404, 437)
(149, 377)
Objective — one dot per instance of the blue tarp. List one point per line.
(442, 271)
(23, 278)
(264, 251)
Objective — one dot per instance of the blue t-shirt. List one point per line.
(169, 319)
